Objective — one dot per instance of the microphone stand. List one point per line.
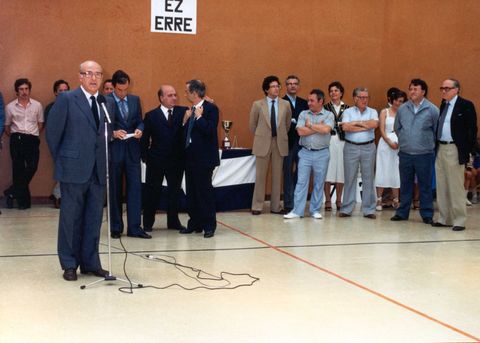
(110, 276)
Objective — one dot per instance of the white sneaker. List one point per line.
(291, 215)
(469, 203)
(317, 215)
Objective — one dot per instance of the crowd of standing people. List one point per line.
(294, 137)
(337, 143)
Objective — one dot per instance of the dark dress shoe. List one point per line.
(370, 216)
(70, 274)
(56, 203)
(100, 272)
(147, 229)
(344, 215)
(427, 220)
(176, 227)
(458, 228)
(9, 201)
(23, 207)
(115, 235)
(141, 234)
(279, 212)
(209, 234)
(397, 218)
(256, 213)
(186, 231)
(438, 224)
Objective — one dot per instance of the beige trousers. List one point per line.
(450, 190)
(262, 164)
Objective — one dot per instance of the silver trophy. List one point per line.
(227, 125)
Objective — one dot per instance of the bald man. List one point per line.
(163, 151)
(75, 137)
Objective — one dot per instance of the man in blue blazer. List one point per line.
(75, 137)
(163, 150)
(125, 158)
(201, 149)
(290, 162)
(456, 136)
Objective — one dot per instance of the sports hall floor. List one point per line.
(331, 280)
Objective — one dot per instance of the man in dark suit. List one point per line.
(201, 149)
(456, 139)
(75, 137)
(163, 150)
(290, 162)
(125, 158)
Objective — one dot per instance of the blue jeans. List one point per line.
(421, 165)
(290, 175)
(308, 160)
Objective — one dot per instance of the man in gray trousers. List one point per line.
(359, 123)
(75, 136)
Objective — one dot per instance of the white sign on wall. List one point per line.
(174, 16)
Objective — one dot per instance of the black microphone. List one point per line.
(102, 101)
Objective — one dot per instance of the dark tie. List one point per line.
(191, 121)
(442, 120)
(95, 110)
(124, 109)
(170, 118)
(273, 120)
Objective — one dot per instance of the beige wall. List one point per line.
(359, 42)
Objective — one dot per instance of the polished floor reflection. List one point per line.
(331, 280)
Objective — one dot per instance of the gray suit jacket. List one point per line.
(77, 146)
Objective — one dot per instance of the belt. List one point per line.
(362, 143)
(446, 142)
(309, 149)
(19, 135)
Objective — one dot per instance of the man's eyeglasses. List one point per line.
(90, 74)
(446, 89)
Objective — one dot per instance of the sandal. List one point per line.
(328, 205)
(396, 203)
(338, 204)
(379, 206)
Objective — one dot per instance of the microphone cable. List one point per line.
(200, 276)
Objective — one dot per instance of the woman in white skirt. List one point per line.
(387, 174)
(335, 166)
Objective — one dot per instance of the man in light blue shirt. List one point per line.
(125, 159)
(359, 123)
(314, 127)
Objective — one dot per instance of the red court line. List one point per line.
(356, 284)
